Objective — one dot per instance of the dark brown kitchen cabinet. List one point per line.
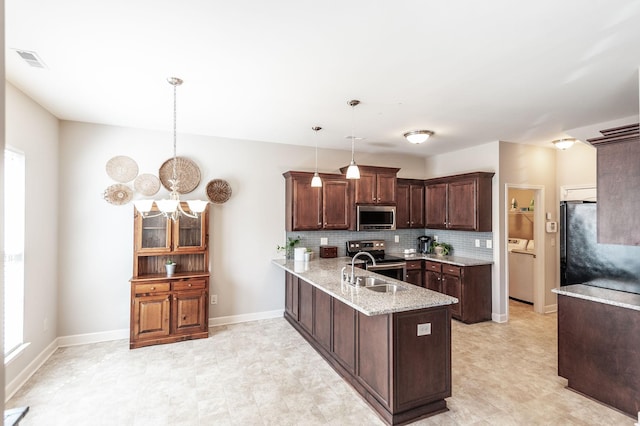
(598, 351)
(461, 202)
(309, 208)
(414, 272)
(344, 334)
(410, 204)
(169, 308)
(377, 185)
(400, 363)
(433, 276)
(471, 285)
(618, 177)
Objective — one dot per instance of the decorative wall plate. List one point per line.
(122, 168)
(218, 191)
(118, 194)
(147, 184)
(187, 172)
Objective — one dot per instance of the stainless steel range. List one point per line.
(387, 265)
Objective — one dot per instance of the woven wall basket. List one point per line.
(218, 191)
(187, 172)
(147, 184)
(122, 168)
(118, 194)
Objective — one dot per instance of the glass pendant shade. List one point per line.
(197, 206)
(353, 172)
(316, 182)
(167, 206)
(143, 206)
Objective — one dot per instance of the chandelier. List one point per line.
(171, 207)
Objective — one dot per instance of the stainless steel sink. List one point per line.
(385, 288)
(368, 281)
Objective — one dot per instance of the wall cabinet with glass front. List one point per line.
(169, 308)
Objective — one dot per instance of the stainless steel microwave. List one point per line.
(375, 218)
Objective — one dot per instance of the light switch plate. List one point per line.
(489, 244)
(424, 329)
(324, 241)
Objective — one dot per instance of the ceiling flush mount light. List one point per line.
(418, 136)
(353, 172)
(316, 182)
(564, 143)
(171, 207)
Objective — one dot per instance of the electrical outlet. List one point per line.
(489, 244)
(397, 239)
(214, 299)
(324, 241)
(435, 238)
(477, 243)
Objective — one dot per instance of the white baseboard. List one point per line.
(550, 308)
(83, 339)
(498, 317)
(12, 387)
(235, 319)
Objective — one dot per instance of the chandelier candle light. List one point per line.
(171, 207)
(316, 182)
(353, 172)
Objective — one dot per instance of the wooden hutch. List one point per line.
(167, 309)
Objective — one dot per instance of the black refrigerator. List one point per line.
(584, 261)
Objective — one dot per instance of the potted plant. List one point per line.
(440, 248)
(289, 246)
(170, 266)
(308, 254)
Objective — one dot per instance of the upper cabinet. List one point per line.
(618, 176)
(309, 208)
(409, 203)
(460, 202)
(159, 238)
(377, 185)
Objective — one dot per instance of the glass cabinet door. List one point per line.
(154, 234)
(189, 233)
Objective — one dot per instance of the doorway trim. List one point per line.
(538, 237)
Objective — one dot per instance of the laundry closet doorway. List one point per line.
(524, 272)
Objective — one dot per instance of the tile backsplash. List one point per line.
(463, 242)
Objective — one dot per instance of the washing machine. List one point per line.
(521, 269)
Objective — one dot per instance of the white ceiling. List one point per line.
(472, 71)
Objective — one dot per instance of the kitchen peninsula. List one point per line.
(394, 348)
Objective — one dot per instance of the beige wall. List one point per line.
(2, 137)
(531, 166)
(96, 237)
(34, 131)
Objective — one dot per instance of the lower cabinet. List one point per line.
(414, 272)
(165, 310)
(471, 285)
(400, 363)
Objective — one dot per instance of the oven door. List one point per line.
(397, 270)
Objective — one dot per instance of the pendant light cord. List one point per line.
(175, 137)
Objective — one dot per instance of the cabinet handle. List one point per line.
(153, 288)
(175, 298)
(184, 318)
(189, 284)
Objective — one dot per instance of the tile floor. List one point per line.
(264, 373)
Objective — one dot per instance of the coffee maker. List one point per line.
(424, 244)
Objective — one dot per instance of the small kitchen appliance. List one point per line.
(424, 244)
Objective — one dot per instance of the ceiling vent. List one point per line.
(31, 58)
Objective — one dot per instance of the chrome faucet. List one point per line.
(352, 279)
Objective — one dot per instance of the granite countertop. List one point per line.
(325, 275)
(453, 260)
(596, 293)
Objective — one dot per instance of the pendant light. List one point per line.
(316, 182)
(171, 207)
(353, 172)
